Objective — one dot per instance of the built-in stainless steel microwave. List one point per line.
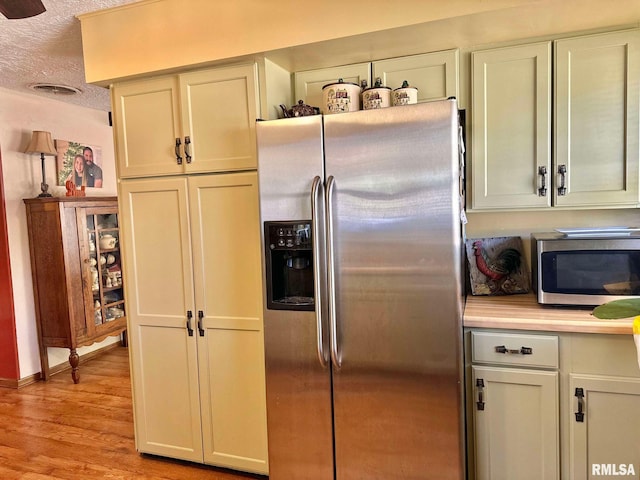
(585, 268)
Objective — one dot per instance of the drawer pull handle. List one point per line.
(580, 413)
(515, 351)
(480, 386)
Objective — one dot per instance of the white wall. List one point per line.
(20, 114)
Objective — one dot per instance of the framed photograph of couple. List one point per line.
(78, 163)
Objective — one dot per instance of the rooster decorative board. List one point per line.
(497, 266)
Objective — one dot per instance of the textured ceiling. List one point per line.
(47, 48)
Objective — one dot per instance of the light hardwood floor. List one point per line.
(56, 430)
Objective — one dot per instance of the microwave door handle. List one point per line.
(331, 278)
(316, 231)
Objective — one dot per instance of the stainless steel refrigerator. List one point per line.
(363, 294)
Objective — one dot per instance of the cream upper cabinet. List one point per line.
(597, 102)
(201, 121)
(595, 161)
(511, 127)
(192, 252)
(147, 126)
(308, 85)
(435, 75)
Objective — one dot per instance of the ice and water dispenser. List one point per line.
(289, 265)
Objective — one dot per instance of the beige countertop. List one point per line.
(522, 312)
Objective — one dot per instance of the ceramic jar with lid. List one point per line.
(405, 95)
(340, 97)
(377, 96)
(107, 241)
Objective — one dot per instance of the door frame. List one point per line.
(9, 365)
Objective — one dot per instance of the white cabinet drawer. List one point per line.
(515, 349)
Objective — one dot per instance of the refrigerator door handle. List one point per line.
(331, 278)
(317, 290)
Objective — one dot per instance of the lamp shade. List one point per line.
(41, 143)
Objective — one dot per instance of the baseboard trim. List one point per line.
(63, 367)
(11, 383)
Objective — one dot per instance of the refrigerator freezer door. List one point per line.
(290, 155)
(396, 243)
(299, 423)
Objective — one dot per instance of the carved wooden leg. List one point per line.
(44, 361)
(74, 360)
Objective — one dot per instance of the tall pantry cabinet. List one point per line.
(191, 245)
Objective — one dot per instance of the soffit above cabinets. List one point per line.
(301, 40)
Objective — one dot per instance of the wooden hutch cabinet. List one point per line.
(76, 271)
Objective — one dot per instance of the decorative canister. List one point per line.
(107, 241)
(340, 97)
(405, 95)
(376, 96)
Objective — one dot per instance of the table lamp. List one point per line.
(41, 143)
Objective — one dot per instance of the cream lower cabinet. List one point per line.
(552, 405)
(602, 407)
(192, 255)
(605, 428)
(517, 428)
(515, 410)
(200, 121)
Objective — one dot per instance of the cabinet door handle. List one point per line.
(178, 157)
(542, 191)
(187, 142)
(580, 413)
(200, 317)
(480, 387)
(189, 328)
(562, 170)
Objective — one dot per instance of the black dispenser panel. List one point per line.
(289, 262)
